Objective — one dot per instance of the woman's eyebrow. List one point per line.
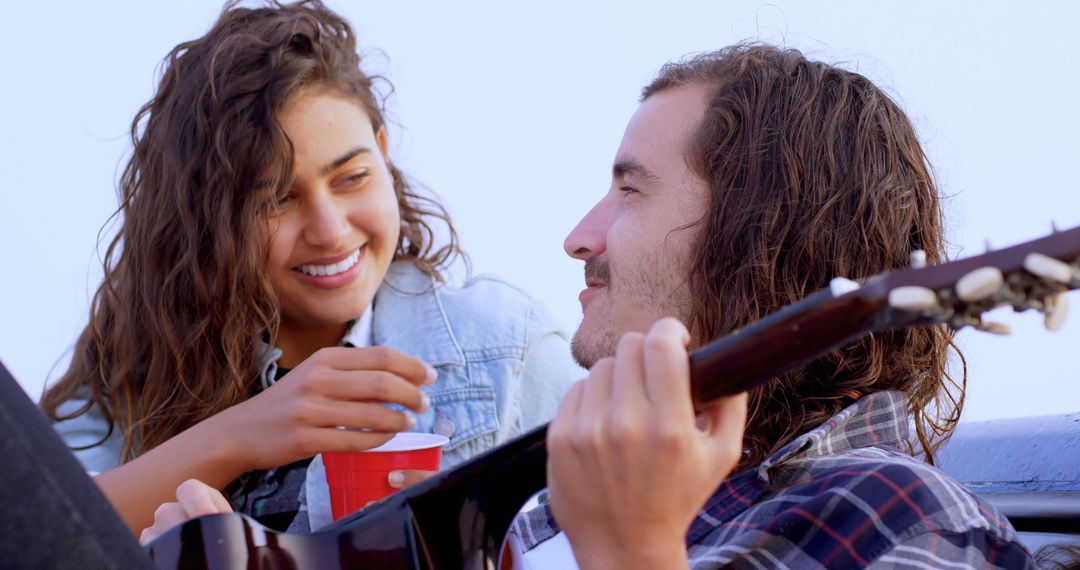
(344, 158)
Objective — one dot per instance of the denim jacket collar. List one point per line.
(407, 295)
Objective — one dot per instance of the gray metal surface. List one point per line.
(1029, 469)
(1033, 454)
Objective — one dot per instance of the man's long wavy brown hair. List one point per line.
(177, 325)
(813, 173)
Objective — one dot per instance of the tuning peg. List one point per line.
(994, 328)
(1048, 268)
(842, 286)
(913, 298)
(986, 244)
(979, 284)
(918, 259)
(1053, 227)
(1057, 306)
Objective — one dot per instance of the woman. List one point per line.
(274, 279)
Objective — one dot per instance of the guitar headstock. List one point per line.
(1034, 275)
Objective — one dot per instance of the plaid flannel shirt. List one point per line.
(840, 496)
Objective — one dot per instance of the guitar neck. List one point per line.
(779, 343)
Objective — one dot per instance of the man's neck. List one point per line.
(298, 341)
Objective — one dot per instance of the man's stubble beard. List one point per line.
(658, 299)
(586, 354)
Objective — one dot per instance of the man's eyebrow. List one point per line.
(343, 159)
(633, 168)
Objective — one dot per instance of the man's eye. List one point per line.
(628, 190)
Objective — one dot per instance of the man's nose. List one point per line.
(589, 237)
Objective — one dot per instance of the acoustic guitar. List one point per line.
(459, 518)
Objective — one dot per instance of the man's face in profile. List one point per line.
(635, 241)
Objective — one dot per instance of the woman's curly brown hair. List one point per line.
(176, 327)
(814, 173)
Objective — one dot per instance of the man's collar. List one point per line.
(879, 419)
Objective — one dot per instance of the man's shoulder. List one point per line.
(889, 490)
(848, 509)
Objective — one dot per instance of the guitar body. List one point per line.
(458, 519)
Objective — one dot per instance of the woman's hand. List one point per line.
(628, 468)
(408, 478)
(299, 415)
(193, 499)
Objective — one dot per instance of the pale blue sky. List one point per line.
(512, 114)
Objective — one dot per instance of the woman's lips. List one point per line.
(335, 271)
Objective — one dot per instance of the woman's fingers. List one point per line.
(330, 439)
(376, 358)
(360, 415)
(371, 386)
(408, 478)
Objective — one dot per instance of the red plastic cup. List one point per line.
(357, 478)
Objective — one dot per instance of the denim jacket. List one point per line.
(503, 365)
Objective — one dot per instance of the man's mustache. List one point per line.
(598, 269)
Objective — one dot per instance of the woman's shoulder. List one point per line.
(94, 441)
(483, 312)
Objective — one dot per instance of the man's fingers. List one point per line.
(408, 478)
(166, 516)
(568, 410)
(376, 358)
(726, 424)
(223, 505)
(198, 499)
(571, 402)
(628, 385)
(667, 368)
(597, 393)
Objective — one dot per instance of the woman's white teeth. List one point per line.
(333, 268)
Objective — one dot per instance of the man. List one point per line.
(747, 179)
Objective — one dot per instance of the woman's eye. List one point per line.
(286, 199)
(354, 179)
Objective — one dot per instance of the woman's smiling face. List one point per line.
(335, 232)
